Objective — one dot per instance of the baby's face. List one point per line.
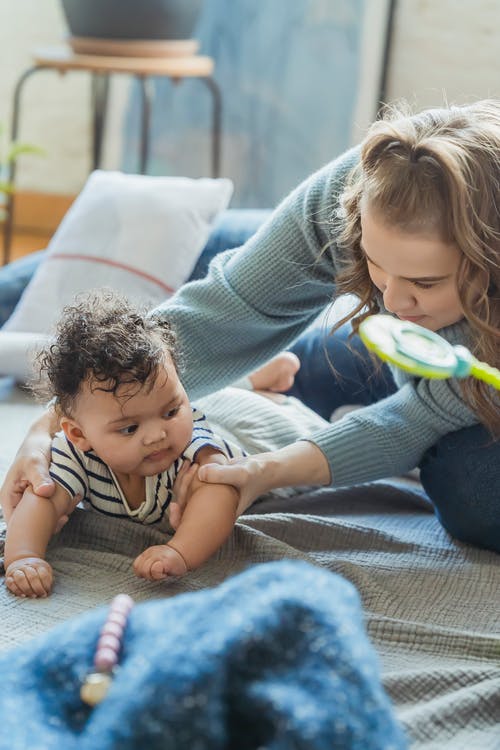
(137, 432)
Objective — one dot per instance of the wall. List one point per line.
(49, 102)
(445, 50)
(55, 109)
(447, 46)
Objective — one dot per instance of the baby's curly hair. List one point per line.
(102, 337)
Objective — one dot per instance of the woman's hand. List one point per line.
(183, 485)
(247, 474)
(31, 465)
(29, 577)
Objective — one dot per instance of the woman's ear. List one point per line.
(74, 433)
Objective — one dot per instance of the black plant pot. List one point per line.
(132, 19)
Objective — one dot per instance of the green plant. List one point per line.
(9, 153)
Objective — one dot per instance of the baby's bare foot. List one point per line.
(277, 375)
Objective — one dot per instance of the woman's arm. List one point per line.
(29, 530)
(301, 463)
(258, 298)
(31, 464)
(389, 438)
(385, 439)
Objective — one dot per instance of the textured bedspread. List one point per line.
(432, 605)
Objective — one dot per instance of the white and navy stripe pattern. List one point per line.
(84, 473)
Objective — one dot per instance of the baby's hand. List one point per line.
(29, 576)
(160, 561)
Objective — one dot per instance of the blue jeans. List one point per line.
(460, 473)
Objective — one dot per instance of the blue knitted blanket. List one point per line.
(275, 658)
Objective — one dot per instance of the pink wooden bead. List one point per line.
(109, 641)
(119, 618)
(122, 603)
(105, 659)
(111, 628)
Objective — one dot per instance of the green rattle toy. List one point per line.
(422, 352)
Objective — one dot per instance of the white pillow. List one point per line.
(138, 234)
(17, 353)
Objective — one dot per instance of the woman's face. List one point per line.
(416, 273)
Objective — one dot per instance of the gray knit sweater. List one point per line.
(258, 298)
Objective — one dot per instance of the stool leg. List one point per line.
(100, 91)
(11, 174)
(147, 93)
(216, 123)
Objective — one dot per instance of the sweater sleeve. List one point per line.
(258, 298)
(391, 436)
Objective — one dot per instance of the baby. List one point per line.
(128, 433)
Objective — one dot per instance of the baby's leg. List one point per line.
(355, 378)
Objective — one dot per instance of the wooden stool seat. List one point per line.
(184, 66)
(87, 45)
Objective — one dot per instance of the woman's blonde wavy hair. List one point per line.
(437, 171)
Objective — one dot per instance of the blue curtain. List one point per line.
(288, 73)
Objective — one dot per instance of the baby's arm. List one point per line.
(207, 521)
(29, 529)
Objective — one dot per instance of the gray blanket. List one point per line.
(432, 605)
